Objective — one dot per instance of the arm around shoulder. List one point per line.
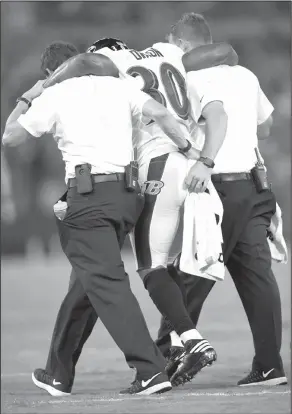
(207, 56)
(81, 65)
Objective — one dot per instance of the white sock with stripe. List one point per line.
(191, 334)
(175, 339)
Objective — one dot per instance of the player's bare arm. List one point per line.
(14, 133)
(215, 131)
(169, 126)
(82, 65)
(207, 56)
(264, 129)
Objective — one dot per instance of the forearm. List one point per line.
(13, 133)
(264, 129)
(173, 130)
(207, 56)
(215, 131)
(5, 178)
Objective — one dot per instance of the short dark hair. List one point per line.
(192, 27)
(57, 53)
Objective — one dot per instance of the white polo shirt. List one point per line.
(92, 120)
(246, 106)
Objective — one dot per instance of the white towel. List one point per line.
(276, 240)
(202, 236)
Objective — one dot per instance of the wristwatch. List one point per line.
(207, 161)
(187, 148)
(23, 99)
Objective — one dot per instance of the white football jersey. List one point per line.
(158, 71)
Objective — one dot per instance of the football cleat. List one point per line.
(173, 358)
(199, 354)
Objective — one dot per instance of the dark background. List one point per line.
(259, 31)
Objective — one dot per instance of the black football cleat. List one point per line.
(45, 381)
(157, 384)
(173, 358)
(264, 378)
(199, 354)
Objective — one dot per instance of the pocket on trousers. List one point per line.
(273, 203)
(140, 202)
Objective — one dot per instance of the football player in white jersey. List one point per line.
(160, 72)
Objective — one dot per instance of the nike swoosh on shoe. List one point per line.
(265, 374)
(145, 383)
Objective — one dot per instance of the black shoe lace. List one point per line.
(174, 352)
(135, 386)
(46, 378)
(253, 375)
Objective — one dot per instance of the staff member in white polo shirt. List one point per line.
(248, 208)
(92, 118)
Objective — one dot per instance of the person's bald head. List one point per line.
(190, 31)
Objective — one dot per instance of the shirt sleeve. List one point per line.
(265, 108)
(137, 98)
(201, 91)
(194, 95)
(41, 116)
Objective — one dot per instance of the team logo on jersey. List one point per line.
(152, 187)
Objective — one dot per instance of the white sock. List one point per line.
(175, 339)
(191, 334)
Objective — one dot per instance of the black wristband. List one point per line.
(187, 148)
(207, 162)
(22, 99)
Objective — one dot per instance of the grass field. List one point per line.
(31, 292)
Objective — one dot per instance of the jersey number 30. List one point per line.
(168, 74)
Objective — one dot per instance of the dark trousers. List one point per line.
(247, 256)
(92, 235)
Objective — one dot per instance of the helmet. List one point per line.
(111, 43)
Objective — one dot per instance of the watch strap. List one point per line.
(23, 99)
(187, 148)
(207, 161)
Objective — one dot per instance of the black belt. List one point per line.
(218, 178)
(99, 178)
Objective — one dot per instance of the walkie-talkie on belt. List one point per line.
(259, 174)
(132, 175)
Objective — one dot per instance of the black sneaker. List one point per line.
(45, 381)
(173, 359)
(258, 377)
(157, 384)
(199, 354)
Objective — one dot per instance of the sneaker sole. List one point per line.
(271, 382)
(51, 390)
(206, 360)
(155, 389)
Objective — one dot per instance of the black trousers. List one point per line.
(92, 235)
(247, 256)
